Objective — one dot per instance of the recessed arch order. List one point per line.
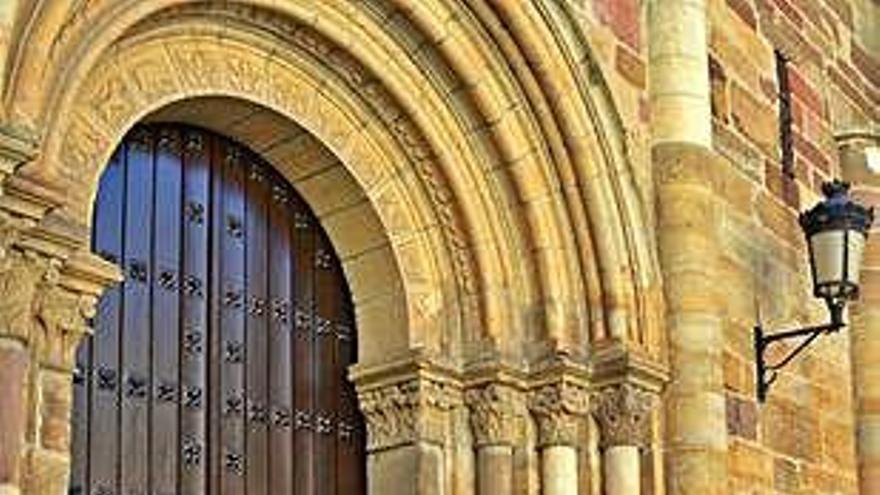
(497, 203)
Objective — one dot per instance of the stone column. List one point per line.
(864, 330)
(679, 72)
(622, 412)
(493, 412)
(687, 178)
(408, 417)
(559, 410)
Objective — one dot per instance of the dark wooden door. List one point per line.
(218, 366)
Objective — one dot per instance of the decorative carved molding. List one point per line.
(409, 411)
(622, 412)
(494, 411)
(199, 68)
(559, 408)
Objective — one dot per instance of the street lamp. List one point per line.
(836, 231)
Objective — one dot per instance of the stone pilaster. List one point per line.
(623, 413)
(864, 330)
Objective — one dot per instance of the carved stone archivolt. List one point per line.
(623, 412)
(494, 412)
(559, 409)
(408, 411)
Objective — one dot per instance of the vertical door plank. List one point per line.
(135, 334)
(79, 454)
(349, 468)
(215, 291)
(104, 428)
(327, 379)
(232, 393)
(257, 342)
(166, 312)
(304, 363)
(194, 318)
(280, 383)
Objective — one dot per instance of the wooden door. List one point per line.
(219, 365)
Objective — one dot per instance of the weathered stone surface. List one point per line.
(14, 363)
(426, 130)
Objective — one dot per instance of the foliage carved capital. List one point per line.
(406, 412)
(494, 410)
(62, 317)
(623, 412)
(20, 275)
(559, 409)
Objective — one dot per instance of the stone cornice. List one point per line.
(615, 364)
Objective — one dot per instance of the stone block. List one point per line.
(624, 19)
(750, 465)
(786, 475)
(14, 364)
(744, 10)
(755, 118)
(56, 397)
(742, 417)
(630, 65)
(48, 472)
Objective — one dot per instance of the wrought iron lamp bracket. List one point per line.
(766, 373)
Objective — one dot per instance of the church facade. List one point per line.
(447, 247)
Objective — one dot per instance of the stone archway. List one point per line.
(497, 197)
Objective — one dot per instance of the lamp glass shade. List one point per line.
(836, 258)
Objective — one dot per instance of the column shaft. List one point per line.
(495, 469)
(622, 470)
(689, 213)
(678, 65)
(559, 475)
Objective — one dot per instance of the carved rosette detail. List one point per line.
(622, 412)
(406, 412)
(559, 409)
(494, 411)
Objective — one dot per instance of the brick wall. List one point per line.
(801, 440)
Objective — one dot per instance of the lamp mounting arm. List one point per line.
(767, 373)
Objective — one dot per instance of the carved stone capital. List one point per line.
(622, 411)
(20, 275)
(408, 411)
(494, 410)
(62, 318)
(558, 409)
